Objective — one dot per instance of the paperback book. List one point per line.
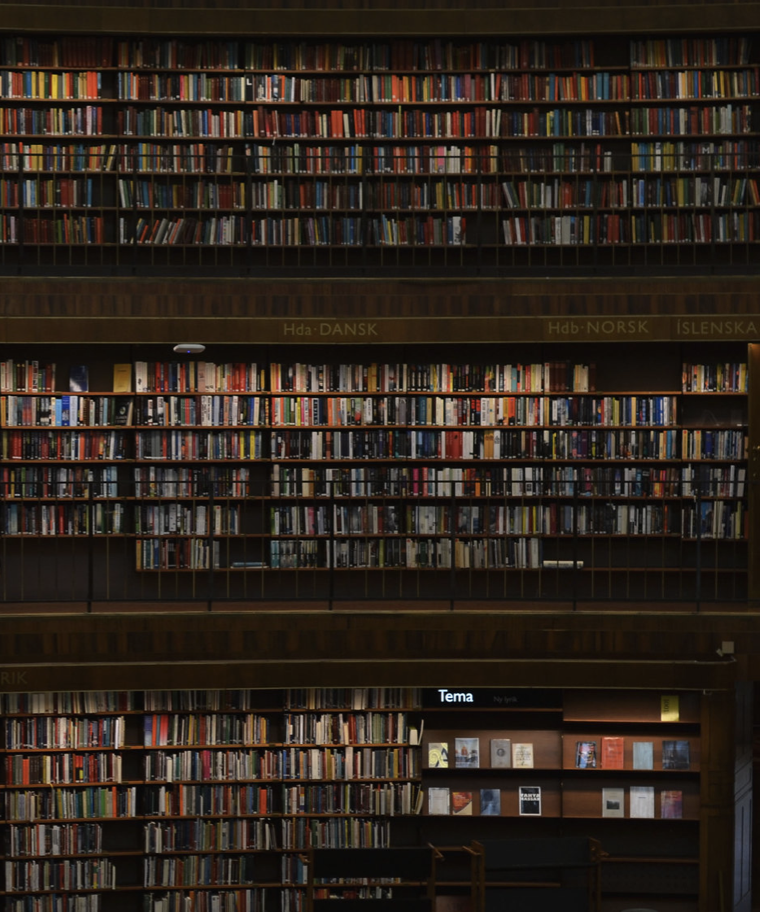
(438, 755)
(585, 754)
(613, 802)
(467, 754)
(461, 804)
(501, 753)
(676, 755)
(530, 801)
(438, 801)
(490, 802)
(643, 755)
(613, 753)
(642, 801)
(522, 756)
(671, 804)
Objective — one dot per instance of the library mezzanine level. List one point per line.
(379, 456)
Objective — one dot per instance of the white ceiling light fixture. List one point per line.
(189, 348)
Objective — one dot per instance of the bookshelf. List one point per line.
(219, 796)
(217, 799)
(512, 479)
(500, 153)
(615, 767)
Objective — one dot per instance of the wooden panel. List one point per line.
(359, 17)
(444, 17)
(155, 312)
(629, 707)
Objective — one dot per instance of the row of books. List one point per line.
(484, 411)
(416, 554)
(482, 122)
(231, 799)
(527, 377)
(348, 728)
(200, 376)
(63, 768)
(660, 228)
(382, 482)
(57, 732)
(71, 874)
(85, 802)
(50, 443)
(487, 802)
(505, 444)
(199, 870)
(421, 88)
(84, 121)
(66, 411)
(299, 158)
(63, 519)
(509, 481)
(381, 54)
(66, 51)
(181, 445)
(34, 84)
(404, 54)
(68, 701)
(181, 519)
(202, 411)
(63, 231)
(67, 192)
(632, 228)
(216, 728)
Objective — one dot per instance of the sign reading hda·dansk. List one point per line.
(513, 329)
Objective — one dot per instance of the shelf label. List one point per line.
(488, 697)
(13, 678)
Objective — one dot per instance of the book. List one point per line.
(669, 708)
(613, 802)
(490, 802)
(467, 753)
(438, 755)
(522, 756)
(671, 804)
(530, 800)
(675, 755)
(643, 755)
(122, 411)
(613, 753)
(461, 804)
(642, 800)
(585, 754)
(501, 753)
(122, 378)
(141, 376)
(79, 381)
(438, 801)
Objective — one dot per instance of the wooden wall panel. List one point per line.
(369, 17)
(141, 310)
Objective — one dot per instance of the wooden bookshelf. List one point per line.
(387, 154)
(510, 479)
